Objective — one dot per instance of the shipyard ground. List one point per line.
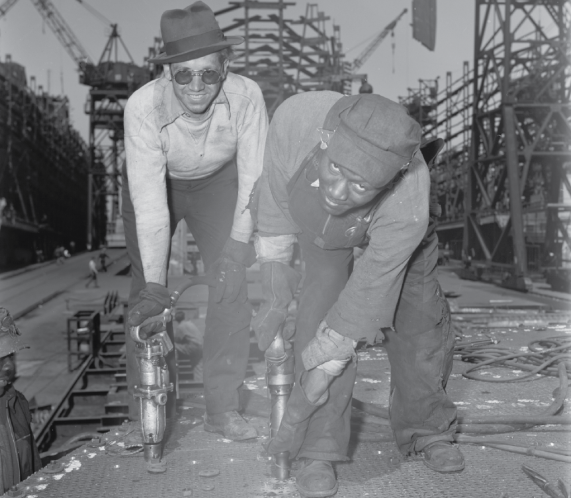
(44, 296)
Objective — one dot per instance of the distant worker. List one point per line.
(58, 253)
(20, 457)
(194, 141)
(92, 273)
(103, 257)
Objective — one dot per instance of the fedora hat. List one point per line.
(191, 33)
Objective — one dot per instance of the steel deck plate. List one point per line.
(375, 469)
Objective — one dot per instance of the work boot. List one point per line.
(443, 456)
(230, 425)
(316, 479)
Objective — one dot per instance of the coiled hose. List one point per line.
(543, 358)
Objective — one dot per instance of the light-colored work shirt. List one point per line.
(161, 140)
(369, 300)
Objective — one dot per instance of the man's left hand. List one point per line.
(328, 350)
(229, 270)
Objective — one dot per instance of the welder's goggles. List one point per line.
(209, 77)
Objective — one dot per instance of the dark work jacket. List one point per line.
(15, 417)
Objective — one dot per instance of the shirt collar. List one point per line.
(169, 108)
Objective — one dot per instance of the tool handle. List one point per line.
(200, 280)
(166, 316)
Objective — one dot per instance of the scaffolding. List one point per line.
(504, 175)
(286, 56)
(43, 171)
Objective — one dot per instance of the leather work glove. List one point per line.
(229, 270)
(279, 283)
(328, 350)
(153, 300)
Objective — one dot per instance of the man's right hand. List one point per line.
(153, 300)
(279, 283)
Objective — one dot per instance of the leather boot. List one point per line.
(316, 479)
(443, 456)
(294, 423)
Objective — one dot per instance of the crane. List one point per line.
(6, 6)
(365, 54)
(62, 31)
(354, 66)
(58, 25)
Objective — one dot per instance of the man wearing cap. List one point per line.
(19, 457)
(341, 172)
(194, 141)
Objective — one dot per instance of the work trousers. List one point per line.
(420, 352)
(207, 205)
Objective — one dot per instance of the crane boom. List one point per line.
(61, 29)
(6, 6)
(359, 61)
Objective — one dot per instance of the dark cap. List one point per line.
(374, 137)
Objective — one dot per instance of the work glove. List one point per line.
(279, 283)
(229, 270)
(328, 350)
(153, 300)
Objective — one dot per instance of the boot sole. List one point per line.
(446, 470)
(213, 429)
(317, 494)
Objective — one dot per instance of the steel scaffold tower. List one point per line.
(285, 56)
(521, 136)
(503, 177)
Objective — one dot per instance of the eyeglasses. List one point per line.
(209, 77)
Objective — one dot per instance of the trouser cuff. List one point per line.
(422, 442)
(325, 456)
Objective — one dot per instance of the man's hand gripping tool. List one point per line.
(153, 344)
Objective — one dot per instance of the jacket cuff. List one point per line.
(354, 329)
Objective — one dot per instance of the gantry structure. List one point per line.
(503, 178)
(111, 82)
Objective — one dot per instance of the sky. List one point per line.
(31, 43)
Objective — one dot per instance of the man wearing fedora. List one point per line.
(342, 172)
(194, 140)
